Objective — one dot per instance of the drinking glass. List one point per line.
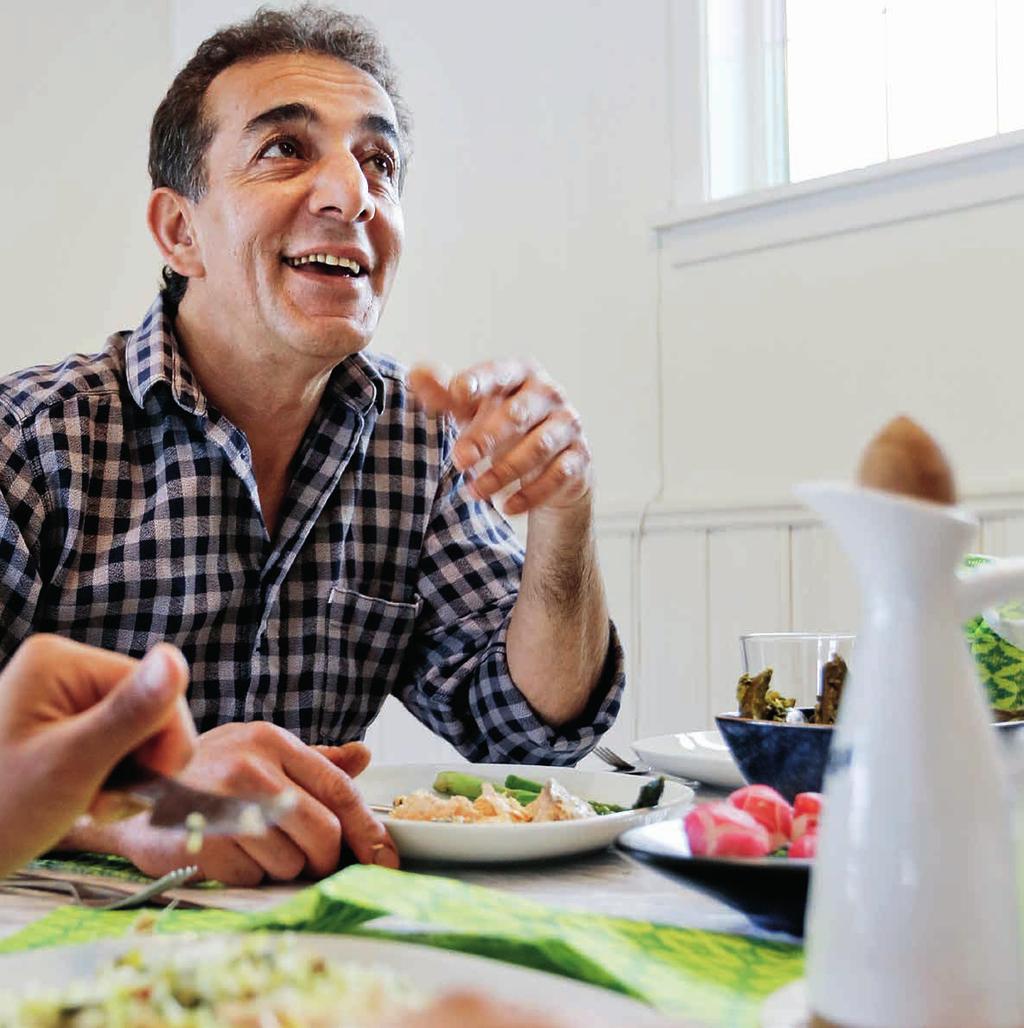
(796, 659)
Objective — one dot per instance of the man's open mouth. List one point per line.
(326, 264)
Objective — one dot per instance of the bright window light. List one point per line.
(835, 84)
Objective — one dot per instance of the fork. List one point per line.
(89, 895)
(611, 758)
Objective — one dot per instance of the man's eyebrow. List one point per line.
(296, 111)
(383, 127)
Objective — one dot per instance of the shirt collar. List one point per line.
(152, 355)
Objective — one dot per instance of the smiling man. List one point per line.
(310, 525)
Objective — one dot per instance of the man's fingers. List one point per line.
(275, 852)
(430, 386)
(566, 480)
(529, 457)
(463, 394)
(361, 831)
(352, 757)
(317, 832)
(157, 851)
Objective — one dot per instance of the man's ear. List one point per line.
(169, 217)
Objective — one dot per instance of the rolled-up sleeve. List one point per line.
(22, 510)
(455, 677)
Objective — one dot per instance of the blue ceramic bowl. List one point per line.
(790, 758)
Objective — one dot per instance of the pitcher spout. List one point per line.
(881, 531)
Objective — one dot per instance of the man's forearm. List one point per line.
(558, 635)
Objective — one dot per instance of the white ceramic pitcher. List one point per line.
(913, 916)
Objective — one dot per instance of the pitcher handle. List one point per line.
(994, 583)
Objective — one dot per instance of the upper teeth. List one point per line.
(325, 258)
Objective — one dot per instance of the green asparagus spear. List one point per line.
(456, 783)
(650, 793)
(522, 795)
(605, 808)
(523, 784)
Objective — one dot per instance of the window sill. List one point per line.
(974, 174)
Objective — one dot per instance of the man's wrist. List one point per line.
(574, 520)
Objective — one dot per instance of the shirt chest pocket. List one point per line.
(366, 641)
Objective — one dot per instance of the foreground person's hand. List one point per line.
(262, 759)
(510, 413)
(68, 714)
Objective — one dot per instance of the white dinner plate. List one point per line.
(434, 970)
(513, 843)
(700, 755)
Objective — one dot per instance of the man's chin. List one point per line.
(328, 336)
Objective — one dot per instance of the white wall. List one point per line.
(785, 361)
(80, 82)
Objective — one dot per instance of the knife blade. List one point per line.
(131, 788)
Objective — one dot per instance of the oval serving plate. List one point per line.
(514, 843)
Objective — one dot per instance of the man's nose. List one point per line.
(341, 190)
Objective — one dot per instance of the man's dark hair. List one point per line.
(182, 129)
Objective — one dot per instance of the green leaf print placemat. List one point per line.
(710, 977)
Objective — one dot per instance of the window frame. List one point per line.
(971, 174)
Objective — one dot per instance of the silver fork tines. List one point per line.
(611, 758)
(95, 895)
(172, 880)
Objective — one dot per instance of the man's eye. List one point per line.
(287, 148)
(383, 163)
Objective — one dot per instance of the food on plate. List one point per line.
(722, 830)
(755, 821)
(757, 702)
(804, 848)
(768, 809)
(467, 799)
(903, 458)
(833, 675)
(806, 812)
(248, 981)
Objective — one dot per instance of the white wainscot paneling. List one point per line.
(748, 591)
(1003, 536)
(672, 680)
(825, 592)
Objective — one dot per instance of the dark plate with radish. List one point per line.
(752, 851)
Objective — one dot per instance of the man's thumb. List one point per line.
(136, 708)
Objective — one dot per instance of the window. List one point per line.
(799, 89)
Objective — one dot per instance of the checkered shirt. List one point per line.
(129, 515)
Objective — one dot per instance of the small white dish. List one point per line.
(514, 843)
(435, 970)
(700, 755)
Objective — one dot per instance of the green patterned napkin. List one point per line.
(1000, 664)
(714, 978)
